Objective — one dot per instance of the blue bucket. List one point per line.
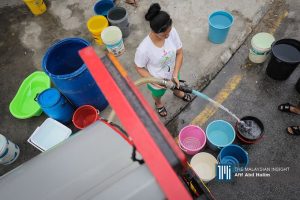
(219, 134)
(70, 75)
(102, 7)
(234, 154)
(219, 25)
(55, 105)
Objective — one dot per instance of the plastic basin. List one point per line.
(23, 105)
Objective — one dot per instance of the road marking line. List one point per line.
(210, 110)
(278, 21)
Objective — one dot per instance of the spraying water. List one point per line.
(250, 129)
(199, 94)
(241, 124)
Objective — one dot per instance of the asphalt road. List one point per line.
(246, 90)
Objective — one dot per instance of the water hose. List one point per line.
(141, 81)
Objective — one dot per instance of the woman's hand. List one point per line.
(175, 80)
(158, 86)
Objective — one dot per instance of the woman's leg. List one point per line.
(156, 95)
(157, 101)
(289, 108)
(295, 109)
(178, 93)
(184, 96)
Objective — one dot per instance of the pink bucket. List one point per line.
(192, 139)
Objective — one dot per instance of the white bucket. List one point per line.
(112, 38)
(9, 152)
(204, 165)
(49, 134)
(260, 47)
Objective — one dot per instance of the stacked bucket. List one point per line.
(110, 36)
(9, 152)
(96, 25)
(118, 16)
(284, 59)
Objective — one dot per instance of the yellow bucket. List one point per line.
(96, 24)
(37, 7)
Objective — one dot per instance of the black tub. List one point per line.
(285, 57)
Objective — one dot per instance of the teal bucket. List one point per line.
(219, 25)
(219, 134)
(233, 155)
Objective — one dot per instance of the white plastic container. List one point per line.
(112, 38)
(204, 164)
(260, 47)
(49, 134)
(9, 152)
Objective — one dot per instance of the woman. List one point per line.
(160, 55)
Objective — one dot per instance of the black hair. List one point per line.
(159, 20)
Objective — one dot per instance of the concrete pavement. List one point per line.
(26, 38)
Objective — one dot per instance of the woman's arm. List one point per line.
(178, 63)
(142, 72)
(145, 73)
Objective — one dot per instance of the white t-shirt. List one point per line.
(160, 62)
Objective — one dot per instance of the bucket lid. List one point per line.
(262, 41)
(3, 143)
(49, 97)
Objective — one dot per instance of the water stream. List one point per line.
(246, 128)
(199, 94)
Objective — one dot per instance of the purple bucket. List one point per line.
(192, 139)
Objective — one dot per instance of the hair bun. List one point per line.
(153, 11)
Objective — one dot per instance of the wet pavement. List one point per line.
(246, 90)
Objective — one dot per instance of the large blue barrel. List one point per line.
(70, 75)
(55, 105)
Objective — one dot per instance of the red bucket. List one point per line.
(84, 116)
